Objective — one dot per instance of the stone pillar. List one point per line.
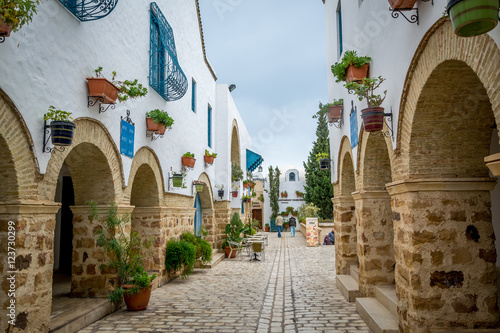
(375, 238)
(223, 215)
(87, 277)
(209, 224)
(345, 234)
(34, 226)
(445, 254)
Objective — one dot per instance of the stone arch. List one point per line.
(235, 144)
(441, 194)
(347, 176)
(207, 208)
(146, 171)
(206, 197)
(374, 162)
(18, 163)
(93, 152)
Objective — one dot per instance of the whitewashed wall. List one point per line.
(46, 63)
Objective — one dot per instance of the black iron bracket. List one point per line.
(99, 99)
(46, 137)
(353, 108)
(2, 39)
(128, 119)
(337, 124)
(388, 118)
(412, 19)
(207, 165)
(154, 135)
(186, 168)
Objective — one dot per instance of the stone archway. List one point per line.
(207, 208)
(375, 234)
(235, 144)
(444, 238)
(343, 210)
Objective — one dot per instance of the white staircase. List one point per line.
(380, 313)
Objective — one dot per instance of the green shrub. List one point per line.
(203, 248)
(180, 255)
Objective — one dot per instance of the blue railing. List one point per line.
(89, 10)
(165, 74)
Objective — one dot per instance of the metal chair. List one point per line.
(236, 247)
(258, 247)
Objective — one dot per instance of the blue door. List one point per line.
(197, 216)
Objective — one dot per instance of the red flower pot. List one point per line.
(101, 87)
(356, 74)
(402, 4)
(5, 29)
(227, 250)
(188, 161)
(235, 194)
(373, 119)
(335, 113)
(154, 127)
(245, 185)
(139, 301)
(209, 159)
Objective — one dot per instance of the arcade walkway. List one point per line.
(293, 290)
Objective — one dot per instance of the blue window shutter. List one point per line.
(193, 97)
(291, 177)
(339, 20)
(209, 127)
(242, 208)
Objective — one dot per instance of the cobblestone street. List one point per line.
(293, 290)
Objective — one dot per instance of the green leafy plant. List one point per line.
(234, 228)
(308, 210)
(160, 117)
(127, 88)
(245, 182)
(57, 115)
(324, 108)
(350, 58)
(261, 198)
(17, 13)
(284, 194)
(299, 194)
(283, 214)
(236, 172)
(274, 190)
(289, 209)
(321, 156)
(219, 187)
(365, 90)
(207, 153)
(202, 247)
(180, 256)
(125, 252)
(188, 154)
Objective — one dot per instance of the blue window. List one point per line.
(242, 208)
(291, 177)
(209, 127)
(165, 74)
(193, 96)
(339, 28)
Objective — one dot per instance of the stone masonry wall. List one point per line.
(345, 234)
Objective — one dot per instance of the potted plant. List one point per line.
(202, 247)
(236, 172)
(251, 184)
(234, 192)
(112, 90)
(473, 17)
(188, 160)
(284, 194)
(16, 13)
(61, 126)
(333, 110)
(158, 121)
(299, 194)
(198, 185)
(295, 213)
(351, 67)
(402, 4)
(220, 189)
(134, 283)
(283, 214)
(233, 233)
(209, 157)
(178, 178)
(324, 160)
(261, 198)
(180, 256)
(245, 198)
(373, 115)
(266, 228)
(289, 210)
(245, 183)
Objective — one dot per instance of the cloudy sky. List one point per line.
(275, 54)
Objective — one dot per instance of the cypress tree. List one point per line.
(318, 188)
(274, 190)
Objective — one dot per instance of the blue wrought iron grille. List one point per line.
(89, 10)
(165, 74)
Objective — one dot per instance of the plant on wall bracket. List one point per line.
(14, 14)
(351, 68)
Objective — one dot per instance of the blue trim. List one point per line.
(242, 208)
(165, 74)
(198, 215)
(209, 127)
(291, 177)
(339, 20)
(253, 160)
(193, 96)
(89, 10)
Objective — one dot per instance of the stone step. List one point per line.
(386, 294)
(348, 287)
(216, 258)
(84, 313)
(376, 316)
(353, 270)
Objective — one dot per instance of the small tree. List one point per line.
(274, 191)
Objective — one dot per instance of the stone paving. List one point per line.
(293, 290)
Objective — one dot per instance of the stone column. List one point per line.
(33, 251)
(223, 215)
(209, 224)
(345, 233)
(445, 254)
(375, 238)
(87, 277)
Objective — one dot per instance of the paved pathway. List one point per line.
(293, 290)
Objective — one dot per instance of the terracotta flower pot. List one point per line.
(402, 4)
(188, 161)
(139, 301)
(209, 159)
(227, 250)
(473, 17)
(335, 113)
(5, 29)
(245, 185)
(373, 119)
(356, 74)
(267, 229)
(101, 87)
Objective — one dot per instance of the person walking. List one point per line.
(279, 224)
(292, 222)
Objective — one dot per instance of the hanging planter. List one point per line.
(334, 113)
(177, 180)
(5, 29)
(155, 127)
(188, 160)
(209, 159)
(220, 193)
(356, 74)
(234, 194)
(102, 87)
(324, 163)
(402, 4)
(199, 186)
(62, 132)
(373, 119)
(473, 17)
